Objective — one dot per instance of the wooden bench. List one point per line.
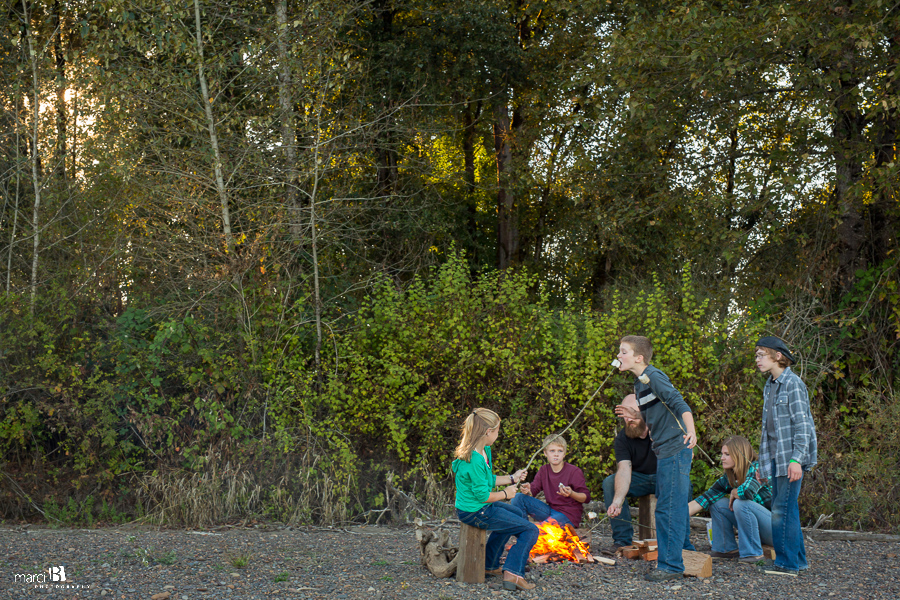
(470, 559)
(647, 517)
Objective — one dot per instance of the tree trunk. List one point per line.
(507, 228)
(846, 133)
(386, 156)
(288, 139)
(314, 243)
(62, 113)
(35, 171)
(213, 136)
(470, 118)
(12, 236)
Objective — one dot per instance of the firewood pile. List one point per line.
(643, 549)
(696, 564)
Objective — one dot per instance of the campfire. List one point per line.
(557, 544)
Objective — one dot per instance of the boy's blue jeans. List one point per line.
(641, 485)
(753, 522)
(673, 493)
(538, 510)
(787, 538)
(503, 521)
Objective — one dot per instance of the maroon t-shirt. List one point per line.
(548, 481)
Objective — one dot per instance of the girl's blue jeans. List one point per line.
(538, 510)
(753, 522)
(503, 521)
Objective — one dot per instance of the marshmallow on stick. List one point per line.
(615, 363)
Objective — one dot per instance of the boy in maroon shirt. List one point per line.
(563, 485)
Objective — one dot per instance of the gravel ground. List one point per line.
(375, 562)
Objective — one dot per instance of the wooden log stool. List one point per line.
(647, 517)
(470, 559)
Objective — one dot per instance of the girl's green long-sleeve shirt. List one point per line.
(474, 481)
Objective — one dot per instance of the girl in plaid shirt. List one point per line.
(738, 500)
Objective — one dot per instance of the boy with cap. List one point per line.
(787, 448)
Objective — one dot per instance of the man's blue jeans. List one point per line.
(673, 493)
(641, 485)
(753, 522)
(538, 510)
(787, 538)
(503, 521)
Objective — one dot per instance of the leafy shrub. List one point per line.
(420, 359)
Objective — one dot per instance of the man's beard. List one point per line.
(635, 430)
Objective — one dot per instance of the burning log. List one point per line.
(556, 544)
(541, 559)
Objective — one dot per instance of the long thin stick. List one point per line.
(594, 395)
(572, 422)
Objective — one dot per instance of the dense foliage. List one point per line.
(281, 248)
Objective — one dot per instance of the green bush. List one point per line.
(420, 359)
(183, 418)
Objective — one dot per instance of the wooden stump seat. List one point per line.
(470, 559)
(647, 517)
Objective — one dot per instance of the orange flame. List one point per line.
(560, 541)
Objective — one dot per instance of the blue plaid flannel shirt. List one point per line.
(794, 426)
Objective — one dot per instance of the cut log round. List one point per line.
(696, 564)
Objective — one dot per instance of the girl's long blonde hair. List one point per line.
(743, 454)
(474, 427)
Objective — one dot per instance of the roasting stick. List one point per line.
(646, 380)
(684, 431)
(615, 364)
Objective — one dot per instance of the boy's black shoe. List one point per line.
(725, 555)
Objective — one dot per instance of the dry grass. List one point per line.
(195, 499)
(294, 489)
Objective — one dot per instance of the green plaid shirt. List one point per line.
(751, 489)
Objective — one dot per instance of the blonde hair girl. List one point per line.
(478, 505)
(742, 455)
(475, 426)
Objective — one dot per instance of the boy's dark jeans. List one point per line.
(790, 551)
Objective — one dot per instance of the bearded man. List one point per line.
(635, 475)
